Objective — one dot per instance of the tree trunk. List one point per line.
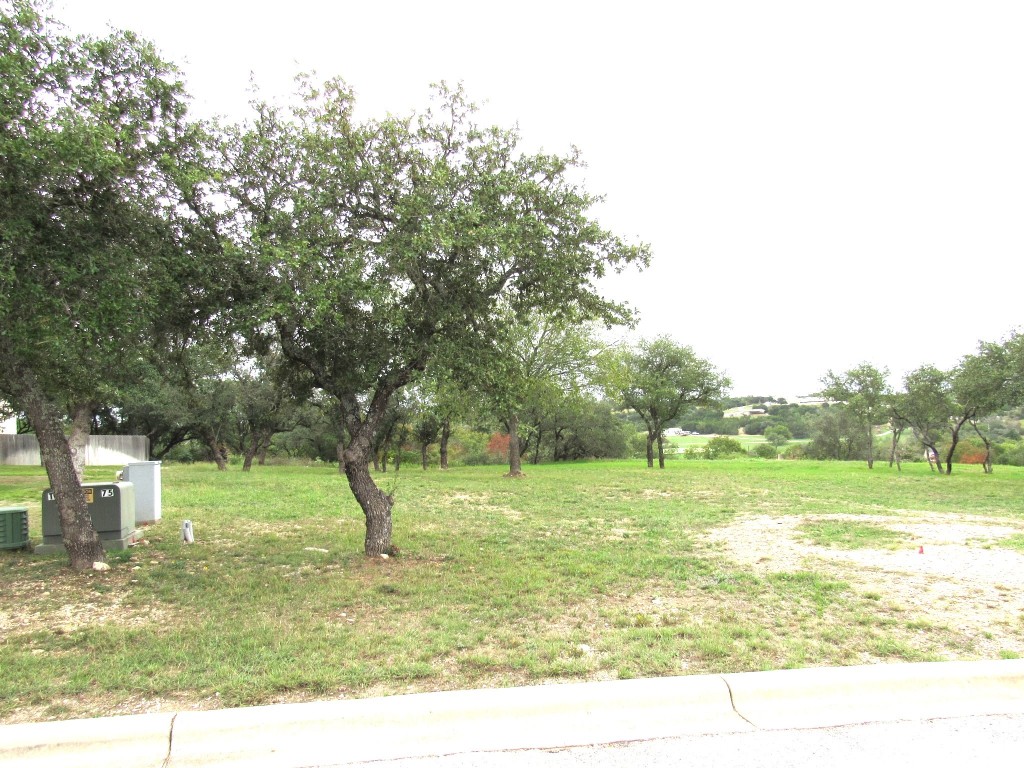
(933, 456)
(894, 453)
(80, 540)
(987, 463)
(955, 439)
(376, 505)
(78, 440)
(535, 458)
(423, 456)
(515, 459)
(218, 456)
(661, 451)
(650, 449)
(250, 454)
(871, 448)
(264, 446)
(446, 433)
(341, 457)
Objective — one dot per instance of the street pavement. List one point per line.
(989, 740)
(889, 714)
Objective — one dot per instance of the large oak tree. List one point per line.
(100, 228)
(380, 245)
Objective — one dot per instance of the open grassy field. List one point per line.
(577, 572)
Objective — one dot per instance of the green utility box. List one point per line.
(112, 506)
(13, 527)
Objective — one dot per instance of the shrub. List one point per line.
(1009, 452)
(469, 447)
(764, 451)
(497, 446)
(638, 445)
(796, 451)
(720, 447)
(970, 451)
(778, 434)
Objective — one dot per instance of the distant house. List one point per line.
(744, 410)
(811, 400)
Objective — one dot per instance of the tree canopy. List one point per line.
(101, 227)
(659, 379)
(865, 393)
(378, 246)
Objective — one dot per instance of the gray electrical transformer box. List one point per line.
(112, 506)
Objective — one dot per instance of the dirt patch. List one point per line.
(75, 601)
(951, 571)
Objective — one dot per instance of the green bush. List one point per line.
(1010, 452)
(795, 451)
(468, 446)
(764, 451)
(720, 447)
(638, 445)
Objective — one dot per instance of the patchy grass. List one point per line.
(1013, 542)
(577, 572)
(849, 534)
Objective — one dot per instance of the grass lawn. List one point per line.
(577, 572)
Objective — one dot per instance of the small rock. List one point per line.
(100, 566)
(316, 549)
(384, 557)
(585, 648)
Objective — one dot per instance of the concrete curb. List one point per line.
(421, 725)
(140, 740)
(822, 697)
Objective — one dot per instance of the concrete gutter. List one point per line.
(548, 716)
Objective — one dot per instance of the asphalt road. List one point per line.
(991, 740)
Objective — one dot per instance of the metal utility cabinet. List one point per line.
(145, 476)
(13, 527)
(112, 506)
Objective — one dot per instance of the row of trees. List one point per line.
(390, 278)
(134, 239)
(935, 405)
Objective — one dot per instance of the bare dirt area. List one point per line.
(951, 572)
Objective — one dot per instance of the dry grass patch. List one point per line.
(954, 593)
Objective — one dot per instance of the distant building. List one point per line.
(812, 400)
(736, 413)
(7, 426)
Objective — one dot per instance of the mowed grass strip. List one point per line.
(576, 572)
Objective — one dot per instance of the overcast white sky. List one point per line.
(822, 183)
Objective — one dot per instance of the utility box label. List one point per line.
(106, 493)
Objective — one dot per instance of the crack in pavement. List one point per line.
(170, 742)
